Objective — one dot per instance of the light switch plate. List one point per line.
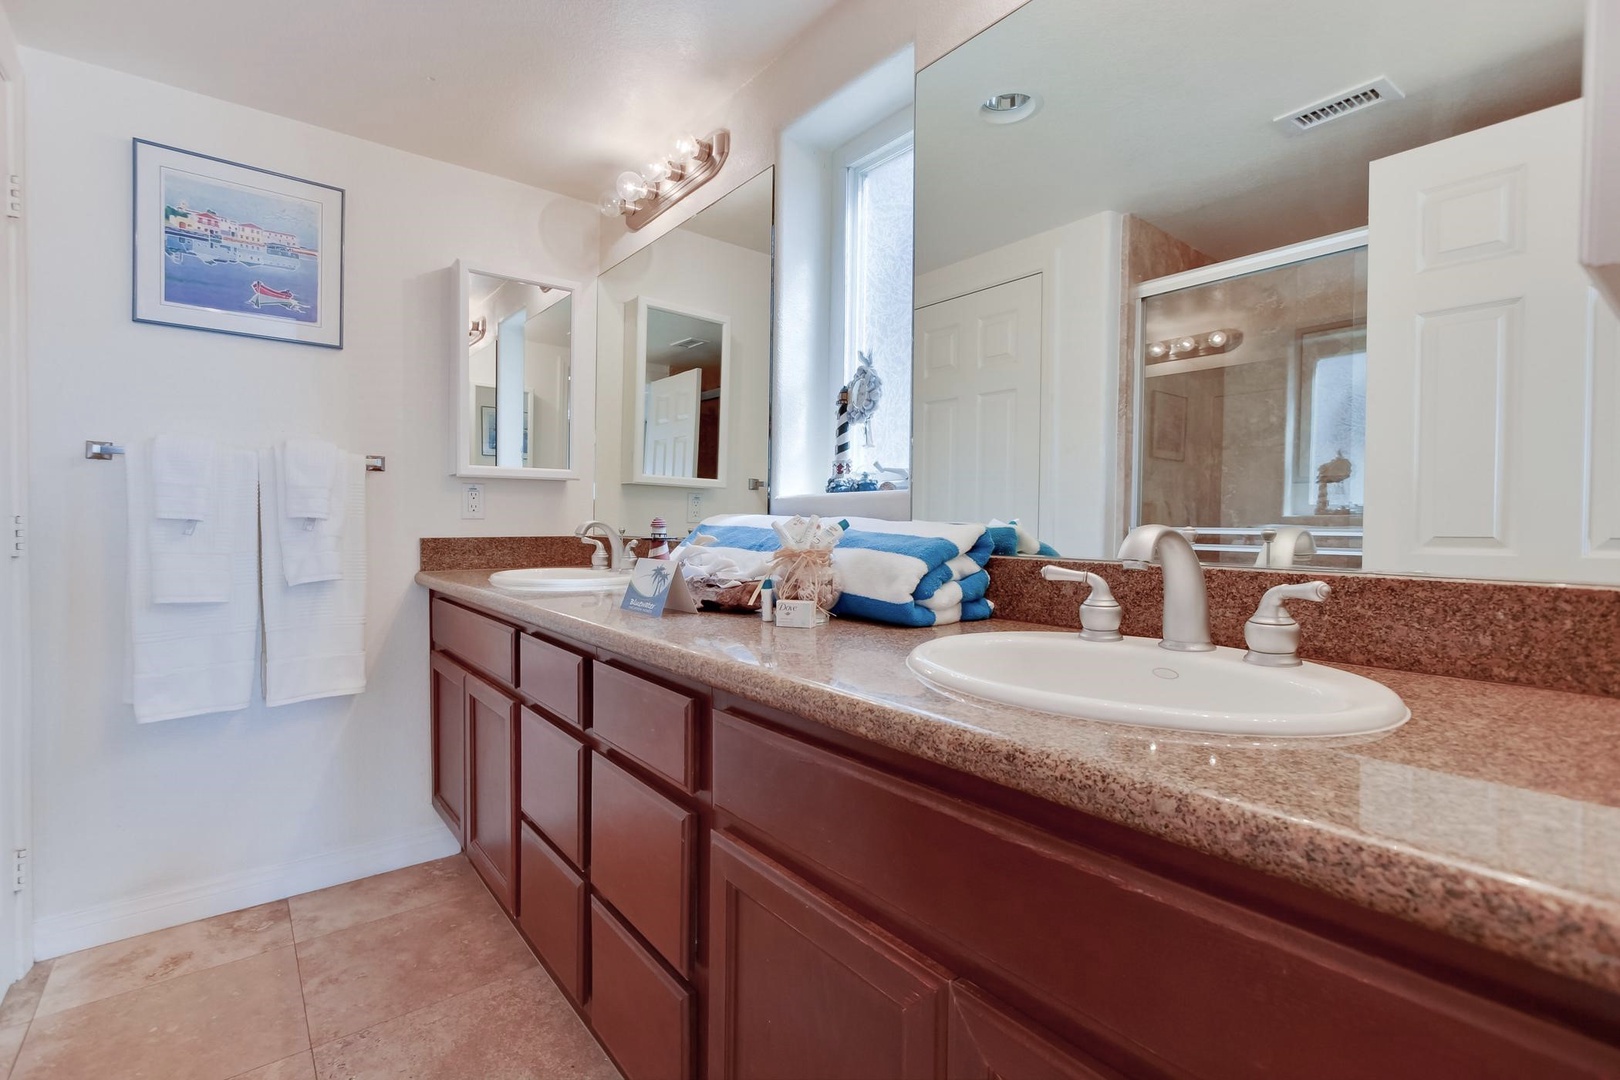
(472, 502)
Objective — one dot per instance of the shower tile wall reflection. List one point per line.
(1270, 432)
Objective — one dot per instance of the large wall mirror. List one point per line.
(1307, 287)
(684, 368)
(515, 348)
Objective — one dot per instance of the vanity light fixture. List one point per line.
(639, 197)
(1190, 345)
(1009, 107)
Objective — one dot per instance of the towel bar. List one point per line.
(102, 450)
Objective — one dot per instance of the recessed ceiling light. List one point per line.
(1009, 107)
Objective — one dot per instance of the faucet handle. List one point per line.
(1101, 614)
(1271, 633)
(599, 557)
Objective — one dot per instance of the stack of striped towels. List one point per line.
(908, 573)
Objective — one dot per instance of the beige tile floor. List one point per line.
(414, 974)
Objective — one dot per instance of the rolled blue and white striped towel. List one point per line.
(908, 573)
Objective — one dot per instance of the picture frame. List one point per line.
(486, 424)
(235, 249)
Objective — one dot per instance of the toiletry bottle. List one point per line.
(767, 601)
(659, 548)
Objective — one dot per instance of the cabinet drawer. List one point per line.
(551, 911)
(551, 783)
(552, 676)
(1189, 981)
(474, 638)
(641, 1014)
(641, 859)
(651, 723)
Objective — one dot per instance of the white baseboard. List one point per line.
(87, 927)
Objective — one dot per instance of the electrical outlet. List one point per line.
(472, 501)
(694, 508)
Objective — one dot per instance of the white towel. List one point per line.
(183, 471)
(315, 633)
(190, 545)
(310, 546)
(187, 659)
(308, 467)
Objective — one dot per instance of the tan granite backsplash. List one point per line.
(1558, 637)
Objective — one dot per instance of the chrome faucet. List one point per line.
(1186, 606)
(615, 543)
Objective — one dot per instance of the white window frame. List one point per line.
(887, 139)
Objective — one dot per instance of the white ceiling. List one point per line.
(664, 327)
(562, 94)
(1164, 109)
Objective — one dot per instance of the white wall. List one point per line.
(1079, 265)
(16, 937)
(143, 826)
(700, 273)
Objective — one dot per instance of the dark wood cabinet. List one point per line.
(492, 813)
(830, 909)
(987, 1041)
(551, 910)
(449, 720)
(800, 987)
(642, 1014)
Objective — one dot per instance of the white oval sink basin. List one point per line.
(561, 579)
(1135, 682)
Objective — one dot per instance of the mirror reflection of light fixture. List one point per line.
(1009, 107)
(1190, 345)
(639, 197)
(480, 327)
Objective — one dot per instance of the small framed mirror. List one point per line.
(680, 393)
(514, 347)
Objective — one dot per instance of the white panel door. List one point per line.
(1487, 427)
(670, 448)
(977, 394)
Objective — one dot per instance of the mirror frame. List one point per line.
(462, 270)
(638, 430)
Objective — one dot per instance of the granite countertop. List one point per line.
(1493, 815)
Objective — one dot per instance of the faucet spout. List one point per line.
(1186, 604)
(614, 540)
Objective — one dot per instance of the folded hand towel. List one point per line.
(190, 658)
(183, 470)
(308, 467)
(1012, 538)
(315, 631)
(888, 571)
(310, 545)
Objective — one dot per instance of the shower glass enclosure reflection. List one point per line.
(1253, 383)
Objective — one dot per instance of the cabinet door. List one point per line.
(801, 987)
(450, 744)
(986, 1041)
(492, 800)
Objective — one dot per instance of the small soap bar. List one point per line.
(800, 613)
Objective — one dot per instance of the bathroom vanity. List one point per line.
(746, 852)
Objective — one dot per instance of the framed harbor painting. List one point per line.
(235, 249)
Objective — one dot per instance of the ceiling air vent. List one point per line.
(687, 343)
(1339, 105)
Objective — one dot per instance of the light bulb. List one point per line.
(1157, 349)
(1217, 339)
(656, 173)
(611, 205)
(631, 187)
(691, 148)
(1186, 344)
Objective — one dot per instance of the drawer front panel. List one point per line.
(651, 723)
(551, 911)
(1190, 980)
(552, 676)
(641, 1014)
(641, 859)
(551, 783)
(480, 641)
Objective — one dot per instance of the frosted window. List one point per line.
(1337, 424)
(879, 303)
